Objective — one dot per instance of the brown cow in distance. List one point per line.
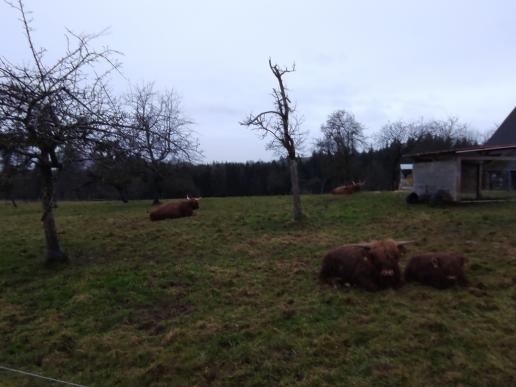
(372, 266)
(347, 189)
(440, 270)
(175, 210)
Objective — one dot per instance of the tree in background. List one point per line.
(394, 138)
(283, 129)
(113, 167)
(46, 107)
(342, 139)
(160, 132)
(11, 164)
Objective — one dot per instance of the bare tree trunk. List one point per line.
(323, 185)
(296, 198)
(54, 254)
(10, 197)
(122, 194)
(157, 189)
(123, 197)
(396, 170)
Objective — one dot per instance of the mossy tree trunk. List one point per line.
(54, 254)
(296, 195)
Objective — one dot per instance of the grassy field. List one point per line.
(231, 297)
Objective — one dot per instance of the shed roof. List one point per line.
(506, 132)
(456, 152)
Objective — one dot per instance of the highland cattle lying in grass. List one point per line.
(440, 270)
(175, 210)
(372, 266)
(347, 189)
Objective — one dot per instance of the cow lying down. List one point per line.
(175, 210)
(372, 266)
(440, 270)
(347, 189)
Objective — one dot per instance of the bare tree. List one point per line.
(395, 137)
(342, 138)
(160, 133)
(282, 127)
(113, 167)
(45, 107)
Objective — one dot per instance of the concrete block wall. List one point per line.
(430, 177)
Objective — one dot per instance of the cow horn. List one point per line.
(363, 244)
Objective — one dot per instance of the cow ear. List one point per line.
(435, 262)
(369, 258)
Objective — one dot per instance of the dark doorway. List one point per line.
(513, 180)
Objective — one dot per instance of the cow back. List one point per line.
(343, 264)
(166, 211)
(440, 270)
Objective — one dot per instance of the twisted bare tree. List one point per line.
(283, 129)
(160, 132)
(46, 107)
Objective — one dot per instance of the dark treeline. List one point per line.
(128, 178)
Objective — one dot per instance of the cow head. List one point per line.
(388, 248)
(357, 186)
(385, 255)
(449, 268)
(194, 202)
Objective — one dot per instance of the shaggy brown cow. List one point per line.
(347, 189)
(175, 210)
(372, 266)
(440, 270)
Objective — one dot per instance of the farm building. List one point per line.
(474, 173)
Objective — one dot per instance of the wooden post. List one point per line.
(458, 188)
(479, 181)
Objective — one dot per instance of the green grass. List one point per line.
(231, 297)
(490, 195)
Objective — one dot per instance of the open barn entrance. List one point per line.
(489, 177)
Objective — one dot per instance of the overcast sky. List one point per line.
(381, 60)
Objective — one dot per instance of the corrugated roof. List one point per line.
(457, 151)
(506, 132)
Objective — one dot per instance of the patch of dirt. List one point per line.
(154, 318)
